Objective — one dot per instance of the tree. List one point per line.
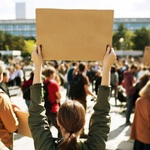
(29, 44)
(18, 43)
(122, 38)
(141, 39)
(2, 39)
(128, 44)
(119, 36)
(10, 42)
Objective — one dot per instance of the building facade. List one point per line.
(17, 27)
(27, 27)
(132, 23)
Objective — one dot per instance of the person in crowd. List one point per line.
(8, 120)
(26, 89)
(71, 115)
(124, 66)
(4, 83)
(140, 130)
(91, 73)
(59, 77)
(70, 73)
(128, 83)
(19, 75)
(69, 76)
(52, 96)
(12, 76)
(140, 84)
(79, 88)
(114, 82)
(142, 70)
(98, 79)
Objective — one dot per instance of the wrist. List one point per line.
(106, 68)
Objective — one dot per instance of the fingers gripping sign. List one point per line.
(109, 57)
(37, 56)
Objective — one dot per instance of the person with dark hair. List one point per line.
(71, 115)
(129, 81)
(79, 88)
(140, 84)
(26, 89)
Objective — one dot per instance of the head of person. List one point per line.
(82, 67)
(6, 76)
(143, 80)
(49, 72)
(113, 69)
(134, 68)
(145, 91)
(2, 69)
(71, 119)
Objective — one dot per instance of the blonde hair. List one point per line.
(145, 91)
(2, 67)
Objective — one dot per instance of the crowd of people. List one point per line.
(80, 79)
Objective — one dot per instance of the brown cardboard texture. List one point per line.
(74, 34)
(146, 55)
(23, 128)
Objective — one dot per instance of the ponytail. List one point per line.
(69, 144)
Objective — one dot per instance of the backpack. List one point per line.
(77, 87)
(46, 97)
(48, 105)
(26, 93)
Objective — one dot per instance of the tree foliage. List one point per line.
(141, 39)
(125, 39)
(10, 42)
(122, 38)
(29, 44)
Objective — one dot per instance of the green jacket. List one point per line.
(98, 127)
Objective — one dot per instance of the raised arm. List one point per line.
(108, 61)
(100, 120)
(38, 62)
(38, 122)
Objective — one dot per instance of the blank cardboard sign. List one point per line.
(74, 34)
(146, 55)
(23, 128)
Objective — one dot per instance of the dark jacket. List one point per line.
(98, 127)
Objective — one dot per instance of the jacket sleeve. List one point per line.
(100, 121)
(38, 121)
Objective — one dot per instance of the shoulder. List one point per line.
(53, 84)
(4, 101)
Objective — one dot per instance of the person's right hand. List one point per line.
(37, 56)
(109, 57)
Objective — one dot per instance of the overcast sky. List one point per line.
(122, 9)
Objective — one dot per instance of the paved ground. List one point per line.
(118, 137)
